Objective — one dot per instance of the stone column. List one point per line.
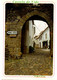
(19, 42)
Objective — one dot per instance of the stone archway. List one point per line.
(41, 14)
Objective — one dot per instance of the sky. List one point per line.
(40, 26)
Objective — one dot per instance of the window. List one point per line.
(46, 36)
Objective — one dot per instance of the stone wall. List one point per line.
(17, 15)
(13, 41)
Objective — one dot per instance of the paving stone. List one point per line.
(30, 64)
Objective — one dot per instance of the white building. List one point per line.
(43, 40)
(31, 32)
(27, 36)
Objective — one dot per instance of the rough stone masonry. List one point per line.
(16, 16)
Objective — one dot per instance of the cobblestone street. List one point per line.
(37, 63)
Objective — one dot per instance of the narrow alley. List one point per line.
(37, 63)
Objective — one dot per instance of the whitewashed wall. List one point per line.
(31, 33)
(47, 31)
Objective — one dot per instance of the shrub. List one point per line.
(31, 49)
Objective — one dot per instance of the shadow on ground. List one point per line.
(37, 63)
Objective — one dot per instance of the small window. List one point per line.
(46, 36)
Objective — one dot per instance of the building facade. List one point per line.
(43, 39)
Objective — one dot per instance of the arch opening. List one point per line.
(28, 31)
